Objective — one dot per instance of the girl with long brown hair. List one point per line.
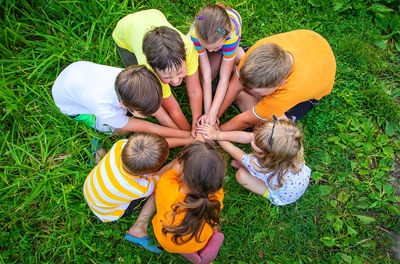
(188, 199)
(188, 203)
(276, 168)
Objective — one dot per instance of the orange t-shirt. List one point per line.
(168, 194)
(312, 75)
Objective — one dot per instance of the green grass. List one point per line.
(349, 213)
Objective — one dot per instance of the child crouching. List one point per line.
(188, 200)
(276, 168)
(125, 176)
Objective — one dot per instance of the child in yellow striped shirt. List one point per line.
(125, 176)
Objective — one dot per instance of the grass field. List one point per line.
(350, 212)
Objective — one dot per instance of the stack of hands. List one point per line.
(207, 128)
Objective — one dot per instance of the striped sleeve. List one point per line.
(109, 189)
(231, 45)
(200, 49)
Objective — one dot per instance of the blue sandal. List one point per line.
(144, 242)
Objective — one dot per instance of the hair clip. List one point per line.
(272, 132)
(222, 31)
(200, 17)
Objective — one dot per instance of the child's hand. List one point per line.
(200, 137)
(208, 132)
(202, 120)
(207, 119)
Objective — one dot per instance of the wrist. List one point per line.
(219, 135)
(195, 119)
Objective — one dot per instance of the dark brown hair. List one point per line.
(266, 66)
(203, 172)
(144, 153)
(139, 89)
(212, 24)
(283, 154)
(164, 49)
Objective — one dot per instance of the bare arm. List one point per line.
(241, 121)
(174, 110)
(167, 167)
(138, 125)
(206, 81)
(177, 142)
(195, 97)
(162, 116)
(234, 151)
(224, 76)
(210, 133)
(234, 88)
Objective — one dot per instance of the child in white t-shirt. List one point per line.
(102, 95)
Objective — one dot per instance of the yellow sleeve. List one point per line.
(192, 57)
(166, 89)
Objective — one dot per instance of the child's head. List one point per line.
(138, 89)
(280, 148)
(213, 26)
(144, 153)
(203, 168)
(267, 66)
(165, 53)
(203, 172)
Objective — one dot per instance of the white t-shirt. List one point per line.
(88, 88)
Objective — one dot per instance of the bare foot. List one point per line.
(138, 230)
(100, 153)
(236, 165)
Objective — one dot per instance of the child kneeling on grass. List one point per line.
(276, 168)
(125, 176)
(100, 96)
(283, 75)
(146, 37)
(216, 35)
(188, 199)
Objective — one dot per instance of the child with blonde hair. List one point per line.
(216, 35)
(276, 168)
(188, 200)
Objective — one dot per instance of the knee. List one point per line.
(241, 176)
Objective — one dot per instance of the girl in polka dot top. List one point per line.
(276, 168)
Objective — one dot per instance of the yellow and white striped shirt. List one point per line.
(109, 189)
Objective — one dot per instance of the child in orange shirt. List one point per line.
(188, 199)
(283, 75)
